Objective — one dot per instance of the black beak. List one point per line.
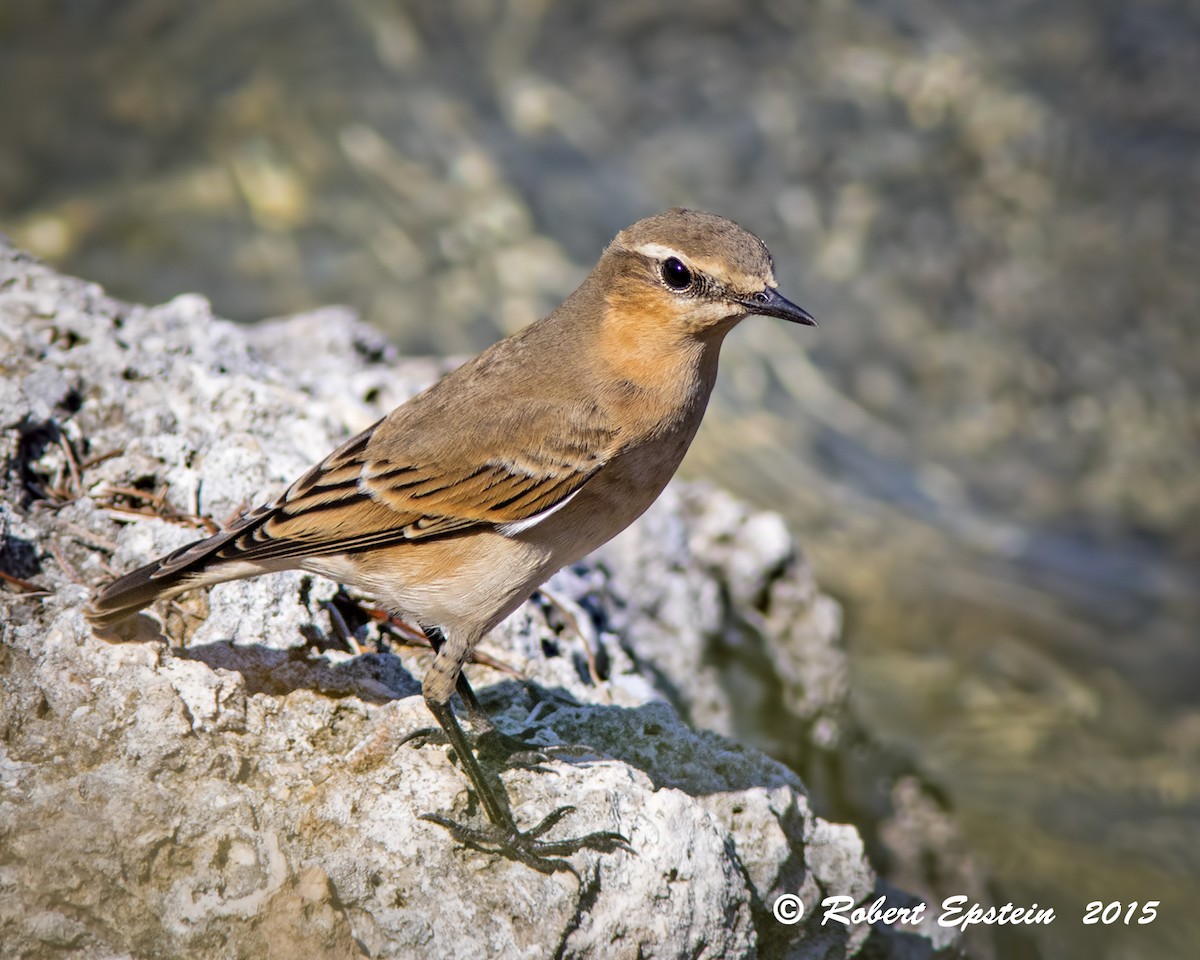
(770, 303)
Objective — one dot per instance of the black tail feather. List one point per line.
(165, 577)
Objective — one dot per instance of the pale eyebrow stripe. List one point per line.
(659, 251)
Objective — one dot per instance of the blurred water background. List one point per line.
(991, 446)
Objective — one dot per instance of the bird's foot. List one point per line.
(424, 736)
(527, 847)
(503, 750)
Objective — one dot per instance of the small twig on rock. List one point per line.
(24, 585)
(65, 565)
(87, 537)
(563, 606)
(99, 458)
(76, 488)
(156, 505)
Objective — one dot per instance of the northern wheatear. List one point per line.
(456, 506)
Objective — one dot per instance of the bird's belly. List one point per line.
(472, 581)
(464, 584)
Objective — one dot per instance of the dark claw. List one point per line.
(499, 749)
(549, 821)
(502, 835)
(525, 847)
(424, 737)
(503, 750)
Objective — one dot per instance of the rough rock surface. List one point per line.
(235, 790)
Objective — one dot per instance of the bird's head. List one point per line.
(694, 273)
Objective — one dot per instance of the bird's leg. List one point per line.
(491, 743)
(503, 836)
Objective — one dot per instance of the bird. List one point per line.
(456, 506)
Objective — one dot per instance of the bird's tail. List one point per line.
(197, 564)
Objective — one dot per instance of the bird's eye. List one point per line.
(675, 274)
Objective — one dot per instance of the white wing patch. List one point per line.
(520, 526)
